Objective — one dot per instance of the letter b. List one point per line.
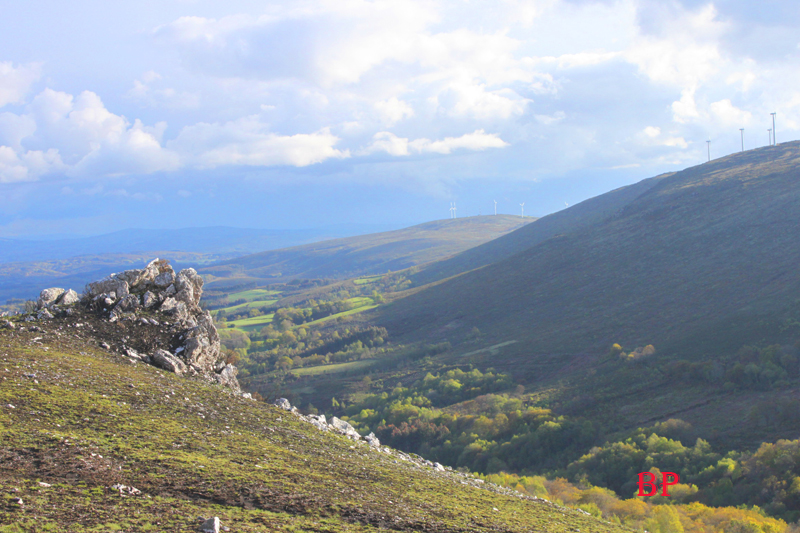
(651, 483)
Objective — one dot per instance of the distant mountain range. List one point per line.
(376, 253)
(27, 266)
(218, 240)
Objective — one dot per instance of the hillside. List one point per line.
(91, 441)
(708, 254)
(368, 254)
(585, 214)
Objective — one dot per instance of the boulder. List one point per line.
(167, 361)
(165, 279)
(211, 525)
(228, 379)
(69, 297)
(149, 300)
(129, 304)
(344, 427)
(44, 314)
(283, 403)
(48, 297)
(372, 440)
(109, 285)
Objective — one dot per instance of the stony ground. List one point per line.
(90, 441)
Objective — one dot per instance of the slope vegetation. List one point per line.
(706, 253)
(90, 441)
(369, 254)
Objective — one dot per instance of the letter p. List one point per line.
(664, 483)
(651, 482)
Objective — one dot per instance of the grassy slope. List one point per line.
(580, 216)
(704, 253)
(370, 254)
(81, 420)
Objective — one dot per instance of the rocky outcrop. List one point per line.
(140, 295)
(336, 424)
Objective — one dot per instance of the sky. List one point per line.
(301, 114)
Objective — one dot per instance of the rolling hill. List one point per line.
(90, 441)
(708, 254)
(367, 254)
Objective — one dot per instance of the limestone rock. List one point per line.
(149, 300)
(211, 525)
(44, 314)
(228, 379)
(167, 361)
(372, 440)
(48, 297)
(119, 287)
(344, 428)
(69, 297)
(164, 280)
(128, 304)
(283, 403)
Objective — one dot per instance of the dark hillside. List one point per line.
(707, 253)
(370, 254)
(582, 215)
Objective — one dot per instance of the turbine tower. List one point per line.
(709, 150)
(495, 207)
(742, 130)
(451, 209)
(522, 208)
(774, 131)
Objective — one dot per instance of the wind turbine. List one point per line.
(451, 209)
(522, 207)
(774, 131)
(455, 209)
(495, 208)
(742, 130)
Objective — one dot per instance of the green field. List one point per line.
(247, 305)
(253, 323)
(366, 280)
(253, 294)
(333, 369)
(338, 315)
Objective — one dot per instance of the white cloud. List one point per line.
(686, 53)
(247, 141)
(652, 136)
(685, 109)
(549, 120)
(27, 166)
(393, 110)
(729, 115)
(146, 93)
(15, 82)
(79, 137)
(393, 145)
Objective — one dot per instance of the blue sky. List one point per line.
(178, 113)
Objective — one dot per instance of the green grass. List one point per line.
(339, 315)
(252, 323)
(247, 305)
(366, 280)
(91, 419)
(333, 369)
(252, 295)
